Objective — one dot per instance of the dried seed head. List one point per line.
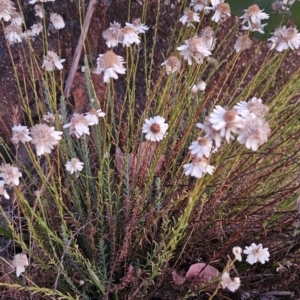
(128, 30)
(223, 8)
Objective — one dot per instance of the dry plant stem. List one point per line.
(79, 47)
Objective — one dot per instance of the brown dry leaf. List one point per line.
(202, 274)
(178, 279)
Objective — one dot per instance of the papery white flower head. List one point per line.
(93, 116)
(6, 9)
(284, 38)
(20, 134)
(138, 26)
(38, 11)
(227, 122)
(285, 4)
(199, 5)
(130, 36)
(231, 284)
(210, 132)
(253, 108)
(207, 35)
(242, 43)
(172, 64)
(237, 251)
(198, 167)
(10, 174)
(255, 27)
(256, 253)
(222, 10)
(57, 21)
(34, 1)
(36, 29)
(110, 64)
(78, 125)
(44, 138)
(20, 261)
(199, 86)
(13, 33)
(52, 60)
(189, 17)
(155, 128)
(3, 191)
(254, 133)
(16, 19)
(74, 165)
(254, 15)
(201, 147)
(195, 48)
(113, 35)
(49, 117)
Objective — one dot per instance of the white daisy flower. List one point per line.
(138, 26)
(20, 134)
(201, 147)
(3, 191)
(38, 11)
(155, 128)
(231, 284)
(51, 60)
(129, 36)
(284, 38)
(20, 261)
(222, 10)
(13, 33)
(34, 1)
(195, 48)
(189, 17)
(254, 15)
(211, 133)
(74, 165)
(44, 138)
(256, 253)
(199, 5)
(16, 18)
(110, 64)
(227, 122)
(57, 21)
(36, 29)
(78, 125)
(49, 117)
(243, 43)
(254, 133)
(253, 108)
(93, 116)
(6, 9)
(198, 167)
(237, 251)
(113, 35)
(10, 174)
(172, 64)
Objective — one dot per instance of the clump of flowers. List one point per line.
(155, 128)
(74, 165)
(44, 138)
(52, 61)
(110, 64)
